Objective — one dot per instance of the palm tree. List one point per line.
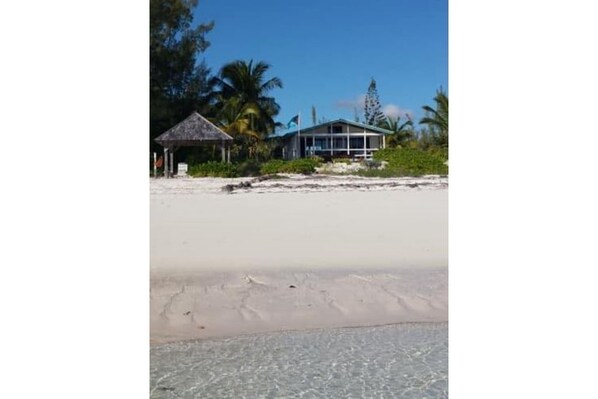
(401, 132)
(437, 119)
(244, 86)
(234, 118)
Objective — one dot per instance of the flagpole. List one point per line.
(299, 132)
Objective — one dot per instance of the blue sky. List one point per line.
(326, 52)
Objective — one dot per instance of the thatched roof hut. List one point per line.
(193, 131)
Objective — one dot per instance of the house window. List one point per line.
(356, 142)
(335, 129)
(340, 142)
(321, 143)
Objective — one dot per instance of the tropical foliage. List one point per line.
(235, 117)
(436, 118)
(254, 168)
(246, 86)
(213, 169)
(304, 166)
(402, 131)
(244, 107)
(411, 162)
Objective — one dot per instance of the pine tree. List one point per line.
(373, 110)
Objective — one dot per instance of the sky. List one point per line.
(326, 52)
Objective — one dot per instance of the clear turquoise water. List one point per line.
(395, 361)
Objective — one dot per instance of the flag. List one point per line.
(293, 122)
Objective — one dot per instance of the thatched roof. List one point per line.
(195, 130)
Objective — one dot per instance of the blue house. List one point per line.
(338, 138)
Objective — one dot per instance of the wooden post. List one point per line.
(348, 141)
(222, 152)
(365, 145)
(228, 153)
(383, 141)
(155, 167)
(171, 154)
(165, 162)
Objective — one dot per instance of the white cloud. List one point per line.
(358, 103)
(390, 110)
(393, 111)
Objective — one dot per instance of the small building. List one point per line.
(338, 138)
(194, 131)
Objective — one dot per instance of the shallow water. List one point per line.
(402, 361)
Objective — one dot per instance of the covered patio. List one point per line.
(194, 131)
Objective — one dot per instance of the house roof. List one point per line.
(291, 132)
(195, 130)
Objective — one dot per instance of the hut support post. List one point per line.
(171, 153)
(166, 162)
(222, 152)
(155, 167)
(228, 154)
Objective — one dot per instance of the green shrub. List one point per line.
(303, 166)
(441, 152)
(412, 162)
(213, 169)
(272, 167)
(342, 160)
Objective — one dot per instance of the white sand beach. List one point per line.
(296, 253)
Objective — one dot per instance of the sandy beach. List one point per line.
(296, 253)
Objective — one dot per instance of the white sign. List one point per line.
(181, 168)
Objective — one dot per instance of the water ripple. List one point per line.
(402, 361)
